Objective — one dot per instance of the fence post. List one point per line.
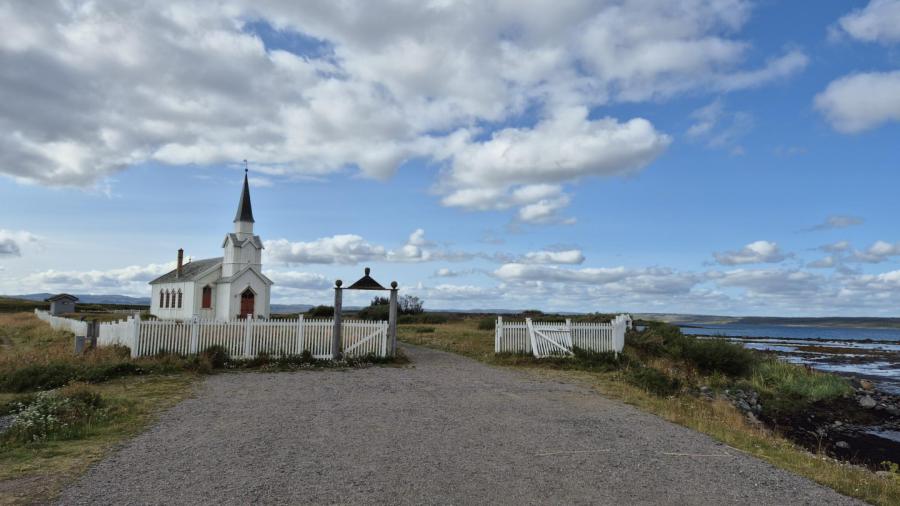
(498, 334)
(248, 333)
(135, 333)
(336, 332)
(392, 319)
(301, 345)
(195, 334)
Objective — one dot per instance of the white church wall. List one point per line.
(250, 279)
(172, 313)
(223, 302)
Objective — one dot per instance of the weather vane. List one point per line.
(245, 166)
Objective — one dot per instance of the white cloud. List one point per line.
(529, 272)
(347, 249)
(859, 102)
(878, 252)
(175, 83)
(571, 256)
(131, 280)
(564, 147)
(824, 263)
(300, 280)
(754, 253)
(879, 21)
(770, 282)
(836, 247)
(12, 242)
(351, 249)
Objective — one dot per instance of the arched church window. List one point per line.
(162, 295)
(207, 297)
(179, 299)
(168, 299)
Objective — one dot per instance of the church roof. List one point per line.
(241, 272)
(245, 210)
(190, 271)
(61, 296)
(255, 240)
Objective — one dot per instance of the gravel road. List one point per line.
(446, 430)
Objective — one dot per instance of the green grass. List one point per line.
(657, 380)
(34, 473)
(786, 386)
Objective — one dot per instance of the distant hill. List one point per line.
(122, 300)
(826, 321)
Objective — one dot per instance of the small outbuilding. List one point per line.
(61, 304)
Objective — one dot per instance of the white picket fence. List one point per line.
(242, 338)
(59, 323)
(544, 339)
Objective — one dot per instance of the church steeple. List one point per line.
(244, 210)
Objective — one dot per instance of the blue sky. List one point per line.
(705, 156)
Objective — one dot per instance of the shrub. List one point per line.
(37, 377)
(716, 355)
(654, 381)
(377, 312)
(487, 324)
(428, 318)
(657, 340)
(217, 356)
(59, 414)
(320, 312)
(602, 360)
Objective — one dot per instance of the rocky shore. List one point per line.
(863, 428)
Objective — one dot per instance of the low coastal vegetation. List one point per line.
(696, 383)
(60, 411)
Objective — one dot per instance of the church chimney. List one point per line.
(180, 263)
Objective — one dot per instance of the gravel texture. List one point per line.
(446, 430)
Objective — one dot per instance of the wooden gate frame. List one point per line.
(534, 334)
(364, 283)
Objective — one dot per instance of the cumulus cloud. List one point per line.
(836, 247)
(300, 280)
(351, 249)
(346, 249)
(862, 101)
(176, 83)
(823, 263)
(12, 242)
(879, 21)
(770, 282)
(571, 256)
(754, 253)
(522, 166)
(878, 252)
(130, 280)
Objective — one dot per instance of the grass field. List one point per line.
(717, 418)
(34, 470)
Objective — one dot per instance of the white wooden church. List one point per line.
(223, 288)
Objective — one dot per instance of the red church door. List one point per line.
(247, 300)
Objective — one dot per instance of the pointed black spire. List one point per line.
(245, 210)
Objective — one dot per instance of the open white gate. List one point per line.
(548, 339)
(544, 339)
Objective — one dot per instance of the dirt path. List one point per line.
(447, 430)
